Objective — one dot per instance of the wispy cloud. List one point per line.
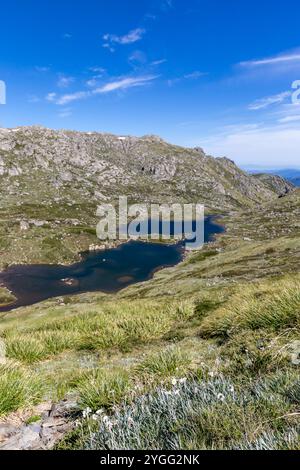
(138, 57)
(120, 84)
(292, 118)
(158, 62)
(51, 96)
(195, 75)
(131, 37)
(268, 144)
(97, 69)
(188, 76)
(69, 98)
(125, 83)
(42, 69)
(269, 100)
(64, 81)
(65, 113)
(274, 60)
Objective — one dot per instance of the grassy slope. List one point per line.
(227, 318)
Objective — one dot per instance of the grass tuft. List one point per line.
(18, 388)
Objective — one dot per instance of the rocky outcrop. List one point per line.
(275, 183)
(52, 422)
(43, 165)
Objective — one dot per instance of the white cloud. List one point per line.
(121, 84)
(97, 70)
(125, 83)
(189, 76)
(106, 45)
(138, 57)
(92, 82)
(79, 95)
(133, 36)
(51, 96)
(292, 118)
(158, 62)
(273, 146)
(292, 57)
(269, 100)
(64, 82)
(195, 75)
(65, 113)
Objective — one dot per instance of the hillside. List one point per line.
(205, 355)
(275, 183)
(208, 350)
(39, 164)
(52, 181)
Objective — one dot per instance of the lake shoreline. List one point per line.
(108, 270)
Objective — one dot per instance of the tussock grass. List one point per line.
(121, 325)
(18, 388)
(272, 305)
(103, 389)
(169, 362)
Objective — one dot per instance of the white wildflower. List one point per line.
(86, 412)
(183, 380)
(220, 397)
(107, 422)
(174, 381)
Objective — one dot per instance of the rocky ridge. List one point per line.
(39, 165)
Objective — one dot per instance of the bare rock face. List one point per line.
(54, 422)
(276, 183)
(39, 165)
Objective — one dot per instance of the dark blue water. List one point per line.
(108, 271)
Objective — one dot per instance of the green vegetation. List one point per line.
(212, 413)
(103, 389)
(169, 362)
(269, 305)
(6, 297)
(18, 388)
(205, 355)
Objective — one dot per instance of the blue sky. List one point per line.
(210, 73)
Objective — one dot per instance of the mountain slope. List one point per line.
(52, 181)
(37, 164)
(275, 183)
(211, 344)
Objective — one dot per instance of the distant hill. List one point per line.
(290, 174)
(276, 183)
